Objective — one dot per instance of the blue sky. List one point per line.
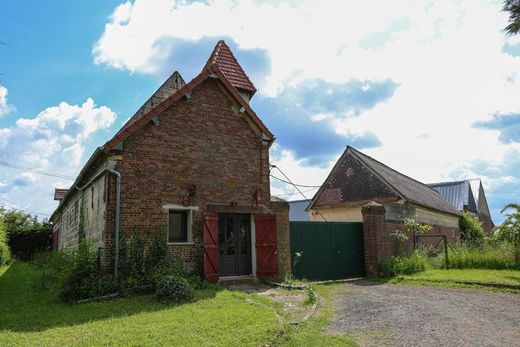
(429, 87)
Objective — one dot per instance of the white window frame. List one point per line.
(189, 222)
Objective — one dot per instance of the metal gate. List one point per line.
(329, 250)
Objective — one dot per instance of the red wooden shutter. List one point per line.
(266, 247)
(211, 248)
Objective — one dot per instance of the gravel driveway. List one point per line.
(398, 315)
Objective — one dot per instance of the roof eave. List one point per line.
(99, 150)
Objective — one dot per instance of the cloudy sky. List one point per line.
(431, 88)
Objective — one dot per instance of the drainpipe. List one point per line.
(118, 207)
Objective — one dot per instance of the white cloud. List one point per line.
(5, 107)
(446, 57)
(53, 141)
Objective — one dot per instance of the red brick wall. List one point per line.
(200, 141)
(281, 209)
(487, 223)
(380, 244)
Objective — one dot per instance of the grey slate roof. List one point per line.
(403, 186)
(407, 187)
(297, 211)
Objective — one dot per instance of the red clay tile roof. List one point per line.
(59, 193)
(228, 64)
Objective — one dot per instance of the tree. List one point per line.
(26, 235)
(513, 7)
(5, 253)
(509, 230)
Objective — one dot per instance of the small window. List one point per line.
(177, 226)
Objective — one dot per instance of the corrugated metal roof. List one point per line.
(456, 193)
(297, 211)
(475, 187)
(461, 194)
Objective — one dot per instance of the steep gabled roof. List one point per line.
(212, 71)
(480, 196)
(403, 186)
(223, 57)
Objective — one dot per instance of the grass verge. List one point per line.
(313, 331)
(30, 317)
(219, 317)
(464, 278)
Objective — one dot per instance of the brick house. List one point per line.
(362, 189)
(194, 162)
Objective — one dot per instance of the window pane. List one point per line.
(177, 226)
(230, 239)
(243, 236)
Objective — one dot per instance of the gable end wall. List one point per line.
(202, 141)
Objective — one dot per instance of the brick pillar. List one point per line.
(373, 234)
(281, 209)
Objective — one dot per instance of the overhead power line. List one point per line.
(298, 189)
(295, 184)
(38, 171)
(24, 208)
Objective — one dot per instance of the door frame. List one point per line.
(252, 238)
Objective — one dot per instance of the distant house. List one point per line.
(297, 211)
(467, 195)
(193, 162)
(358, 179)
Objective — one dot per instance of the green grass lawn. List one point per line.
(479, 275)
(449, 277)
(30, 317)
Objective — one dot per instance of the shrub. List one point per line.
(404, 265)
(196, 281)
(5, 253)
(84, 278)
(174, 289)
(471, 229)
(495, 256)
(26, 235)
(55, 267)
(136, 248)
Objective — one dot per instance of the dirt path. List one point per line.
(398, 315)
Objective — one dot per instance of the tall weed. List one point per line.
(417, 261)
(497, 256)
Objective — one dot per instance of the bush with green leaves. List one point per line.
(84, 278)
(5, 253)
(471, 230)
(26, 235)
(174, 289)
(509, 230)
(417, 261)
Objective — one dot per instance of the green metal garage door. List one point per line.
(331, 250)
